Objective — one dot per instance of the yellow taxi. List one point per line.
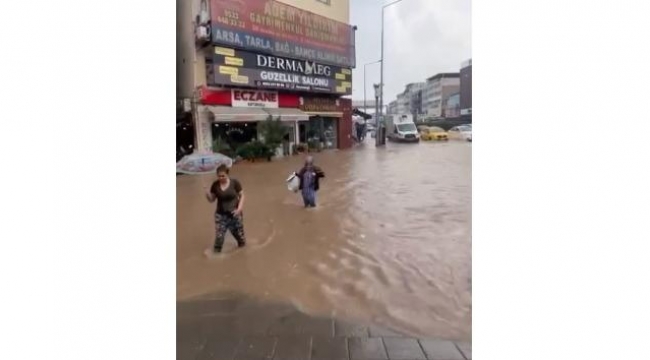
(429, 133)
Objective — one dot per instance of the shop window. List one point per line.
(323, 130)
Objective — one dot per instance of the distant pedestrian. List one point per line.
(309, 181)
(286, 148)
(230, 204)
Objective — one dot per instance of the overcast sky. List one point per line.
(421, 38)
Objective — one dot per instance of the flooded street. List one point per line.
(388, 244)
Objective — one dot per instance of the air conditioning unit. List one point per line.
(202, 33)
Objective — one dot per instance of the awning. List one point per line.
(240, 114)
(287, 114)
(364, 115)
(336, 114)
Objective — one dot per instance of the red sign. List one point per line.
(254, 98)
(224, 97)
(278, 20)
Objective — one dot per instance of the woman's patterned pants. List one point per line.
(225, 222)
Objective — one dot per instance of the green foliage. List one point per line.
(272, 132)
(314, 145)
(219, 145)
(254, 150)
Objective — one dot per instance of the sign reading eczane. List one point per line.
(237, 67)
(254, 98)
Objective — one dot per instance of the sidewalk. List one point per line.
(236, 328)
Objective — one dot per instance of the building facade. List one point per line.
(452, 106)
(403, 103)
(466, 88)
(391, 108)
(243, 61)
(437, 90)
(338, 10)
(410, 100)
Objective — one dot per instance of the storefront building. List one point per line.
(236, 113)
(255, 70)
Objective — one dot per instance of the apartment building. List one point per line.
(392, 107)
(452, 106)
(466, 88)
(410, 100)
(437, 90)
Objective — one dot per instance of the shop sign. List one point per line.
(247, 59)
(316, 104)
(276, 28)
(242, 68)
(254, 98)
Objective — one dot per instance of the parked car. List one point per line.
(460, 132)
(428, 133)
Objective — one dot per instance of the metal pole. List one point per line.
(365, 106)
(381, 81)
(376, 120)
(364, 89)
(381, 76)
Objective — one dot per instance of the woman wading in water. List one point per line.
(310, 176)
(230, 203)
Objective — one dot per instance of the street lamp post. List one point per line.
(378, 132)
(381, 76)
(364, 84)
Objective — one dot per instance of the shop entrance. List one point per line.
(228, 136)
(320, 130)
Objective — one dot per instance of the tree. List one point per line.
(272, 132)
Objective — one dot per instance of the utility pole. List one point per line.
(381, 76)
(364, 84)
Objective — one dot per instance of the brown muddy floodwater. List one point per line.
(389, 243)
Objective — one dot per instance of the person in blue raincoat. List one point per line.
(310, 176)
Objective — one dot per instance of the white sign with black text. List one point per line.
(254, 98)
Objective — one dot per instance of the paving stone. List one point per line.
(220, 348)
(377, 331)
(342, 328)
(465, 348)
(329, 348)
(195, 329)
(441, 350)
(367, 349)
(318, 327)
(188, 349)
(207, 307)
(288, 324)
(256, 348)
(295, 347)
(252, 326)
(403, 349)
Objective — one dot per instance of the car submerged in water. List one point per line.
(460, 132)
(429, 133)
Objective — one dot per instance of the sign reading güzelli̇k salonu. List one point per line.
(243, 68)
(269, 26)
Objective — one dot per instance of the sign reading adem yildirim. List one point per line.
(276, 28)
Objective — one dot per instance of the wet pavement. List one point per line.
(388, 246)
(234, 327)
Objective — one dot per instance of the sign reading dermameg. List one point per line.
(276, 28)
(239, 68)
(254, 98)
